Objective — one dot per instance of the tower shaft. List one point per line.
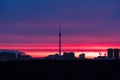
(60, 40)
(59, 43)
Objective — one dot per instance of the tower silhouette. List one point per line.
(60, 40)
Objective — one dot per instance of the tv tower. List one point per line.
(60, 40)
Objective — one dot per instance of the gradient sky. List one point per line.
(83, 21)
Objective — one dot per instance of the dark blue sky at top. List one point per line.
(45, 9)
(80, 18)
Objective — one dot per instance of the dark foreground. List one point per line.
(60, 70)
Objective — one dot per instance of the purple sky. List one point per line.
(83, 21)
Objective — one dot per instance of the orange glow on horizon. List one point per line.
(38, 54)
(42, 50)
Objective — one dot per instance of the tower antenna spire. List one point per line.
(60, 40)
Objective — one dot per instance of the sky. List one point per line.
(35, 22)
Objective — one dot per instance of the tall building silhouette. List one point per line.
(116, 53)
(110, 53)
(60, 38)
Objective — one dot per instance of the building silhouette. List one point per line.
(101, 58)
(53, 57)
(24, 57)
(82, 56)
(7, 56)
(11, 55)
(68, 56)
(110, 53)
(116, 53)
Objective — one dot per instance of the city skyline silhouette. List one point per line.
(60, 39)
(89, 27)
